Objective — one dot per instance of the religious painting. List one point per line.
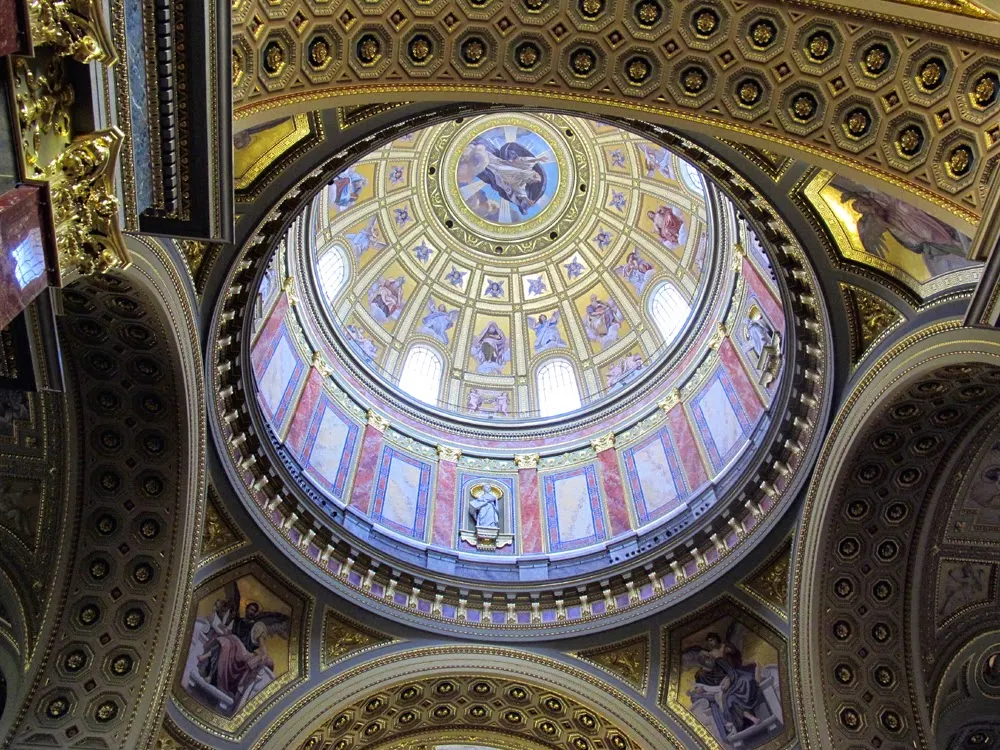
(397, 176)
(386, 300)
(490, 349)
(892, 235)
(245, 645)
(727, 678)
(665, 222)
(616, 158)
(636, 270)
(360, 341)
(603, 321)
(438, 321)
(487, 401)
(623, 370)
(546, 329)
(257, 148)
(20, 500)
(351, 187)
(656, 161)
(507, 175)
(366, 236)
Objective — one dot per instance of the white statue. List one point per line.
(483, 507)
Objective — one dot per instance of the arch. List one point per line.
(333, 271)
(668, 310)
(421, 373)
(557, 390)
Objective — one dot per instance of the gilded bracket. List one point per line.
(76, 28)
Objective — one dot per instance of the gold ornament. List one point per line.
(473, 51)
(820, 45)
(603, 443)
(931, 74)
(274, 58)
(706, 22)
(319, 53)
(583, 62)
(448, 453)
(910, 140)
(76, 28)
(857, 123)
(648, 13)
(984, 92)
(876, 60)
(803, 107)
(591, 8)
(527, 56)
(749, 92)
(762, 34)
(420, 49)
(526, 460)
(237, 68)
(694, 80)
(959, 161)
(638, 70)
(377, 421)
(369, 50)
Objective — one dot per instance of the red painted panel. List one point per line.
(445, 502)
(364, 476)
(302, 412)
(24, 267)
(614, 492)
(687, 448)
(741, 380)
(763, 291)
(530, 505)
(269, 331)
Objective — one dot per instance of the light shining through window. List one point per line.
(669, 310)
(421, 375)
(558, 391)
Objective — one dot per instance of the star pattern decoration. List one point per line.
(423, 252)
(494, 289)
(603, 239)
(402, 216)
(455, 277)
(536, 286)
(574, 268)
(618, 201)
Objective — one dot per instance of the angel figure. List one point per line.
(656, 160)
(942, 247)
(368, 238)
(624, 370)
(234, 660)
(438, 320)
(546, 330)
(345, 189)
(636, 271)
(728, 696)
(667, 224)
(510, 169)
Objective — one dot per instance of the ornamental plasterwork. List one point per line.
(910, 102)
(627, 660)
(870, 318)
(343, 638)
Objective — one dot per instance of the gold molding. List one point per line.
(627, 660)
(343, 638)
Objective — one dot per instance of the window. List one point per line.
(332, 272)
(421, 375)
(558, 392)
(669, 310)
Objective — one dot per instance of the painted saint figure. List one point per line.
(490, 350)
(602, 321)
(345, 189)
(942, 247)
(636, 271)
(624, 370)
(546, 330)
(483, 508)
(367, 238)
(656, 161)
(438, 320)
(360, 340)
(385, 299)
(667, 224)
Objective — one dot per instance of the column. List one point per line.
(371, 451)
(446, 497)
(529, 503)
(611, 480)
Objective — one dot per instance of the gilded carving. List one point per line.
(770, 584)
(344, 637)
(628, 660)
(194, 252)
(377, 421)
(76, 28)
(603, 443)
(869, 317)
(218, 535)
(526, 460)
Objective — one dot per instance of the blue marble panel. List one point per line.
(139, 112)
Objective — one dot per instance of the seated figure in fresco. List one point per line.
(667, 224)
(489, 349)
(602, 321)
(636, 270)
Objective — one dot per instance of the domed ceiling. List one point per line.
(498, 243)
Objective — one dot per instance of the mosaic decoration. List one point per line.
(489, 239)
(878, 230)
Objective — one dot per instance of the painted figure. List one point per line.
(385, 299)
(368, 238)
(602, 321)
(490, 350)
(546, 330)
(636, 271)
(942, 248)
(624, 370)
(482, 401)
(509, 168)
(483, 508)
(345, 189)
(360, 341)
(667, 224)
(438, 320)
(656, 161)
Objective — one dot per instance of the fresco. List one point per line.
(507, 175)
(727, 679)
(256, 148)
(244, 645)
(882, 231)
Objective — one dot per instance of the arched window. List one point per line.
(669, 310)
(332, 268)
(558, 392)
(421, 375)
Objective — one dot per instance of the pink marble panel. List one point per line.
(267, 334)
(445, 501)
(364, 475)
(531, 511)
(687, 449)
(614, 492)
(770, 303)
(302, 412)
(24, 251)
(748, 395)
(12, 29)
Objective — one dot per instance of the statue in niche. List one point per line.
(484, 512)
(765, 345)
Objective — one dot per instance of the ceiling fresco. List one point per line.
(503, 241)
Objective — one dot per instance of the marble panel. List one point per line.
(574, 516)
(721, 421)
(330, 446)
(402, 490)
(654, 476)
(281, 371)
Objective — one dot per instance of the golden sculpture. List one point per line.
(76, 28)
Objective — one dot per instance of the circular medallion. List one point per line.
(509, 178)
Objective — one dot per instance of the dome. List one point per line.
(512, 266)
(523, 348)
